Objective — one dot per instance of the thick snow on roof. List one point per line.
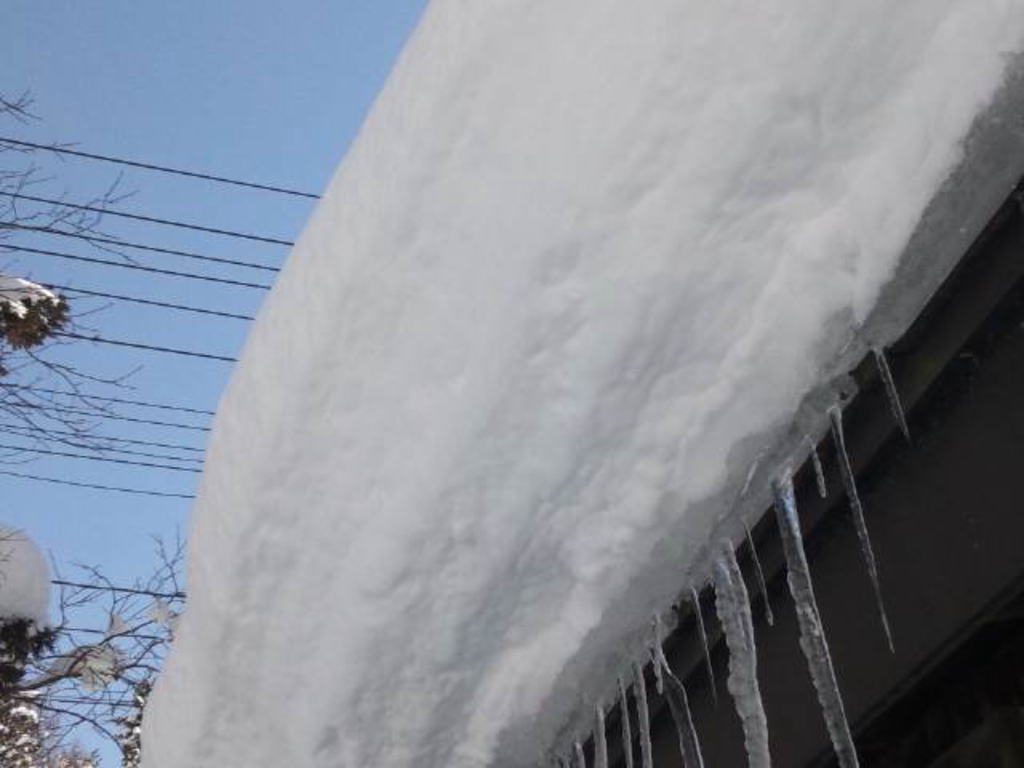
(583, 264)
(24, 578)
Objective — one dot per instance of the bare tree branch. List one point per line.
(98, 677)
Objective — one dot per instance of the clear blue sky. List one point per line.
(272, 92)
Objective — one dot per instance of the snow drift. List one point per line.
(583, 264)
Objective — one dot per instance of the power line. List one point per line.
(128, 441)
(161, 168)
(148, 347)
(149, 219)
(111, 588)
(138, 246)
(144, 454)
(111, 416)
(104, 459)
(125, 401)
(137, 267)
(96, 486)
(106, 449)
(105, 704)
(152, 302)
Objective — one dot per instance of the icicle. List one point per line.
(891, 393)
(679, 705)
(627, 733)
(656, 655)
(581, 760)
(750, 477)
(733, 606)
(643, 716)
(695, 599)
(850, 483)
(659, 681)
(812, 633)
(600, 740)
(819, 472)
(660, 662)
(760, 578)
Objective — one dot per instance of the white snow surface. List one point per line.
(24, 578)
(584, 259)
(15, 291)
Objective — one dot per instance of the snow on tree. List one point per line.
(29, 313)
(74, 758)
(21, 738)
(24, 604)
(24, 578)
(77, 675)
(130, 731)
(25, 740)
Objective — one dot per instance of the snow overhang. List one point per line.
(959, 271)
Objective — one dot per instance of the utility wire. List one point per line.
(161, 168)
(104, 459)
(112, 416)
(128, 441)
(104, 703)
(137, 267)
(144, 454)
(148, 347)
(149, 219)
(107, 449)
(82, 396)
(152, 302)
(107, 588)
(128, 452)
(96, 486)
(138, 246)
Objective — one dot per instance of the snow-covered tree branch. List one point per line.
(93, 666)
